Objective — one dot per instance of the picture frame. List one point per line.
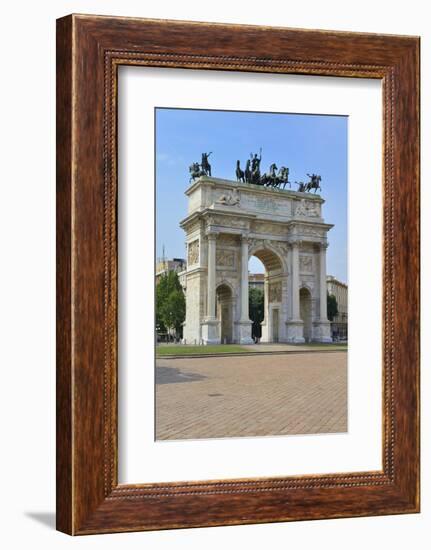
(89, 51)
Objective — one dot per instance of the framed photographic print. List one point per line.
(237, 274)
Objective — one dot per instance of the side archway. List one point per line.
(225, 312)
(305, 312)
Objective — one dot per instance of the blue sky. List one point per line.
(304, 143)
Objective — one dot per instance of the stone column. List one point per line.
(295, 325)
(265, 323)
(295, 281)
(322, 327)
(323, 293)
(244, 324)
(211, 288)
(210, 325)
(244, 280)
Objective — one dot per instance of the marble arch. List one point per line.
(227, 222)
(268, 255)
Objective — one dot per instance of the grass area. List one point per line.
(198, 350)
(172, 349)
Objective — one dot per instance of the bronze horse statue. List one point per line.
(314, 183)
(205, 165)
(240, 175)
(196, 171)
(247, 171)
(283, 176)
(276, 179)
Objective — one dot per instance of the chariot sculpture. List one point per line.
(276, 178)
(252, 174)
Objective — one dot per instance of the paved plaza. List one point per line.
(239, 396)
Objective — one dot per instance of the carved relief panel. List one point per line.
(227, 239)
(193, 252)
(269, 228)
(307, 209)
(225, 258)
(274, 292)
(305, 264)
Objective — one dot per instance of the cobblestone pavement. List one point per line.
(251, 396)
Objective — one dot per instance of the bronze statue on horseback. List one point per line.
(314, 183)
(203, 169)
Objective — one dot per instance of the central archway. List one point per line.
(274, 294)
(256, 298)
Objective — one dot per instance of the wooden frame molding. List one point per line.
(89, 51)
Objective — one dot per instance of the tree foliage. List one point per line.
(256, 309)
(332, 307)
(170, 303)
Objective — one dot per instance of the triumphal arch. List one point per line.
(227, 223)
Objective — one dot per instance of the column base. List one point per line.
(244, 332)
(295, 331)
(322, 332)
(264, 339)
(210, 332)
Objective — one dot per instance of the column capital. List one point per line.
(212, 235)
(294, 243)
(245, 238)
(324, 245)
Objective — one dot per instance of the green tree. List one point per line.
(256, 309)
(170, 303)
(332, 307)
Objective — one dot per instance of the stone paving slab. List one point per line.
(215, 397)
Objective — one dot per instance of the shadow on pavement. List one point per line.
(173, 375)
